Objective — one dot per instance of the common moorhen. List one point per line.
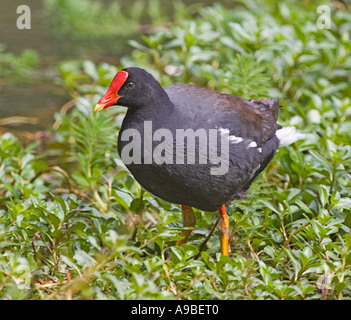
(194, 146)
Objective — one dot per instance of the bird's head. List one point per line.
(131, 87)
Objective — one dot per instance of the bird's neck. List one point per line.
(155, 106)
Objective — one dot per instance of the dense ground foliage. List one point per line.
(74, 224)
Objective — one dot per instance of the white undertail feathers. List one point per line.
(288, 135)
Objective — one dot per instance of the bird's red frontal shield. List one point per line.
(111, 96)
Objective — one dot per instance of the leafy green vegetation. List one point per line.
(12, 65)
(89, 19)
(74, 224)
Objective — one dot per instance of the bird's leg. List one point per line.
(223, 228)
(213, 227)
(189, 220)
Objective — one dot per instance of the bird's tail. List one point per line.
(288, 135)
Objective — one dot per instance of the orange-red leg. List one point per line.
(189, 220)
(223, 228)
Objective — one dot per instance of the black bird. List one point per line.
(194, 146)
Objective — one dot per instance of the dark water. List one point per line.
(40, 96)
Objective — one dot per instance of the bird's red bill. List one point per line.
(111, 96)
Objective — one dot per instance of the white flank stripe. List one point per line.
(232, 139)
(235, 139)
(252, 144)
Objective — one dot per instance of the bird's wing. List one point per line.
(254, 119)
(260, 116)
